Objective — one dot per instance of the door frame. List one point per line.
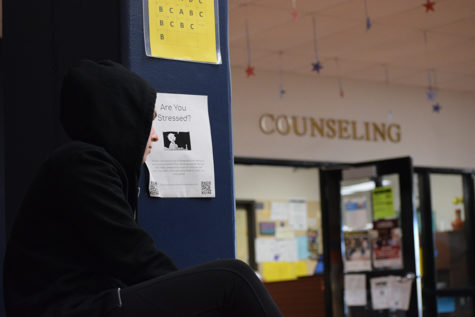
(429, 290)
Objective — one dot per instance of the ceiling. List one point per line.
(404, 46)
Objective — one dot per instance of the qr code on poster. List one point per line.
(153, 188)
(206, 188)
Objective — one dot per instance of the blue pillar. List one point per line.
(191, 231)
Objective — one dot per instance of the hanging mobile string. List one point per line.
(281, 82)
(317, 66)
(368, 20)
(249, 69)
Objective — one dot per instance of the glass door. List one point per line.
(370, 234)
(447, 240)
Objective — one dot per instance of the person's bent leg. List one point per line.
(220, 288)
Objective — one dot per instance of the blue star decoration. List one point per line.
(316, 67)
(368, 23)
(436, 108)
(282, 93)
(430, 94)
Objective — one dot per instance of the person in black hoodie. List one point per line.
(76, 249)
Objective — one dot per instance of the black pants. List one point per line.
(220, 288)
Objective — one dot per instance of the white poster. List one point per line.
(181, 161)
(279, 211)
(270, 250)
(400, 293)
(356, 214)
(380, 292)
(391, 292)
(298, 215)
(355, 289)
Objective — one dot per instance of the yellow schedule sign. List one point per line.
(183, 30)
(283, 271)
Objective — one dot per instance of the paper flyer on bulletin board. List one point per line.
(181, 161)
(386, 237)
(383, 202)
(182, 30)
(357, 251)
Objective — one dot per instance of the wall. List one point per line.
(432, 139)
(276, 183)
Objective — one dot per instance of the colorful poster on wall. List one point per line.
(383, 203)
(182, 30)
(267, 228)
(181, 161)
(386, 240)
(357, 251)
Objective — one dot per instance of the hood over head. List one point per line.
(105, 104)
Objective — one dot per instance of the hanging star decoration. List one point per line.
(317, 66)
(368, 20)
(429, 5)
(436, 108)
(294, 15)
(282, 92)
(250, 71)
(294, 12)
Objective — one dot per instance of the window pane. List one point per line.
(449, 237)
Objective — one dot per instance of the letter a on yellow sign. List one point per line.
(182, 29)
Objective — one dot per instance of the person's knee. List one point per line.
(239, 266)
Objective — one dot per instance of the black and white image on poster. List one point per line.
(181, 161)
(176, 141)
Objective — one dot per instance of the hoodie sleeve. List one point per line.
(103, 217)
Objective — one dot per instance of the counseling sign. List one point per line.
(182, 29)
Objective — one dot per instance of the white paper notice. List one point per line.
(181, 161)
(270, 250)
(266, 249)
(279, 211)
(380, 292)
(356, 216)
(400, 293)
(298, 215)
(355, 289)
(287, 250)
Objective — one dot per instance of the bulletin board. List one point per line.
(288, 238)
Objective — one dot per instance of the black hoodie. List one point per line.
(75, 240)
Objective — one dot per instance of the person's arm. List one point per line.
(103, 217)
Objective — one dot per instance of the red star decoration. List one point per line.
(342, 94)
(250, 71)
(429, 5)
(295, 15)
